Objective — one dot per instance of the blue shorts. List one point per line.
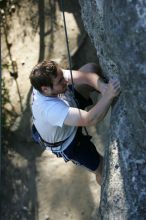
(81, 151)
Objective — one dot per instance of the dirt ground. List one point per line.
(35, 184)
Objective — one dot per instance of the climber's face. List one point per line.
(59, 85)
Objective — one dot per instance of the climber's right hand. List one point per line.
(113, 88)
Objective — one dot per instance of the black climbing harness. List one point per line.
(44, 144)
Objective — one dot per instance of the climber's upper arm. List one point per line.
(77, 117)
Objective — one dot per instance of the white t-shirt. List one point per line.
(49, 114)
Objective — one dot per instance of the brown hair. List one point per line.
(43, 74)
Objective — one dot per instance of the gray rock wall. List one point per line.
(118, 32)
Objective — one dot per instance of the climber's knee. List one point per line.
(91, 67)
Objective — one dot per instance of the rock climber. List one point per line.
(59, 111)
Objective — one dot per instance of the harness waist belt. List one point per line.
(39, 139)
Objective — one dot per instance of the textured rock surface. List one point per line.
(118, 31)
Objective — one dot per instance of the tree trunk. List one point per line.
(118, 31)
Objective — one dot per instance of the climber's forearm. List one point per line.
(79, 117)
(98, 112)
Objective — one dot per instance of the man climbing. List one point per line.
(59, 111)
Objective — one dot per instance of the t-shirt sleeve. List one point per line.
(66, 74)
(56, 113)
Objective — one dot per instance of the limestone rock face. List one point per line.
(118, 32)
